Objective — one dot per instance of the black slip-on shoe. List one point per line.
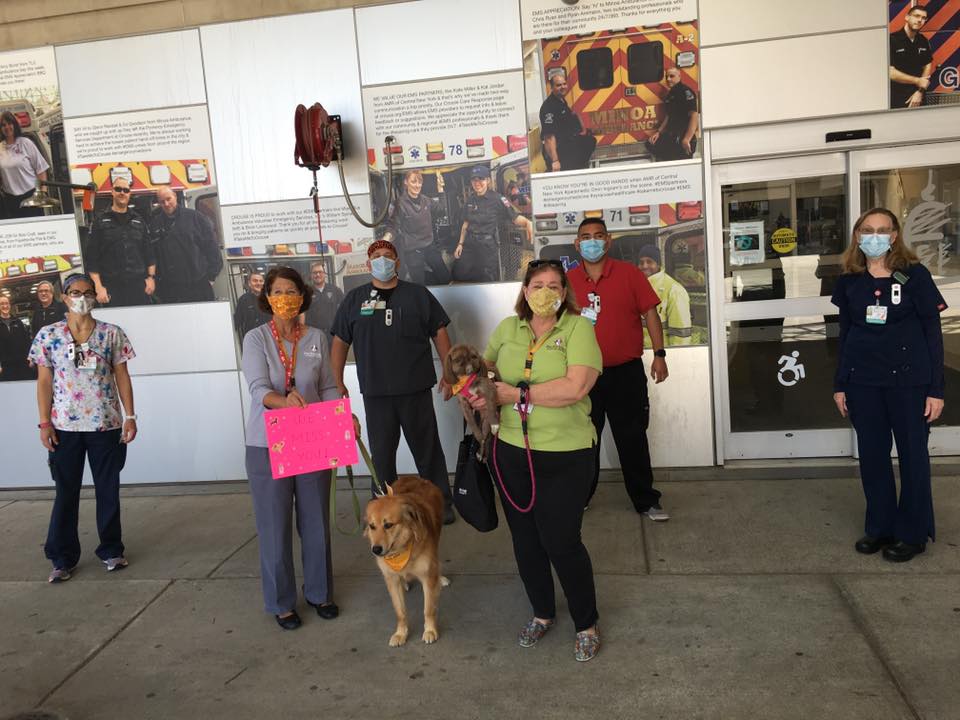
(869, 545)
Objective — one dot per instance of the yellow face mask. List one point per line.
(285, 307)
(544, 301)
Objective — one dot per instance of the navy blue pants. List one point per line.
(879, 416)
(106, 455)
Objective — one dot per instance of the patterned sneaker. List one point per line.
(117, 563)
(59, 575)
(531, 633)
(587, 645)
(657, 513)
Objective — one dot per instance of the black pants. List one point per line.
(12, 209)
(387, 415)
(425, 266)
(877, 412)
(125, 290)
(174, 292)
(550, 533)
(479, 261)
(620, 394)
(669, 147)
(574, 152)
(107, 456)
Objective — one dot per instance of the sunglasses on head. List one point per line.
(121, 189)
(534, 264)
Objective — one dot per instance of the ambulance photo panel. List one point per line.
(924, 62)
(608, 84)
(452, 188)
(149, 228)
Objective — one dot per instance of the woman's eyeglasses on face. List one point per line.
(91, 294)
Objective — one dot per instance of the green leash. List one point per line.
(357, 514)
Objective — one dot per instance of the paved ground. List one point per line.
(749, 603)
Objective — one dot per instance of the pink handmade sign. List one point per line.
(317, 437)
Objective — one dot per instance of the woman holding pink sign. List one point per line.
(286, 365)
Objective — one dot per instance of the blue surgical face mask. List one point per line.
(592, 250)
(383, 268)
(875, 245)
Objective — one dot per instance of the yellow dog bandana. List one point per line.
(398, 561)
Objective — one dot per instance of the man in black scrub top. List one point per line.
(676, 137)
(911, 61)
(390, 324)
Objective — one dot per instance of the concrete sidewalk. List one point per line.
(749, 603)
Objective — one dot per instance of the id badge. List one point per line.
(877, 314)
(366, 308)
(89, 359)
(590, 314)
(380, 305)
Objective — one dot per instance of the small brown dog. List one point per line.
(466, 373)
(403, 527)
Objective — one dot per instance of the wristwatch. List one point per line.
(660, 353)
(130, 417)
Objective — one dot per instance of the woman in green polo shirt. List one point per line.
(549, 360)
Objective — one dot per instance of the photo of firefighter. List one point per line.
(676, 137)
(665, 241)
(924, 55)
(246, 280)
(611, 97)
(14, 344)
(148, 243)
(565, 144)
(458, 223)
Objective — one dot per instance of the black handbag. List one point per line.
(473, 493)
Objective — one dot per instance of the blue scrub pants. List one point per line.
(107, 456)
(876, 412)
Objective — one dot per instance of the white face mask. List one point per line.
(80, 305)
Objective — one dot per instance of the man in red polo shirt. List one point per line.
(617, 297)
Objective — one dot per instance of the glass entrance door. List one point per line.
(780, 227)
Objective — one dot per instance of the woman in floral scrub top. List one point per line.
(82, 368)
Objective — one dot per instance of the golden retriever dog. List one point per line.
(403, 528)
(465, 371)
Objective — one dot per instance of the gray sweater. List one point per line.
(264, 373)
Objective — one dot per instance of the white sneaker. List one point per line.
(58, 575)
(657, 513)
(117, 563)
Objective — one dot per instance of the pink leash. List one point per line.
(533, 480)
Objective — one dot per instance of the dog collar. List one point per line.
(398, 561)
(463, 384)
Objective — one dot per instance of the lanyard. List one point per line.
(531, 351)
(289, 363)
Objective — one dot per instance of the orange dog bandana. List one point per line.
(398, 561)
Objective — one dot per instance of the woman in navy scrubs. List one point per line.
(890, 380)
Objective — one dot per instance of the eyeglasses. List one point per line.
(534, 264)
(121, 189)
(78, 294)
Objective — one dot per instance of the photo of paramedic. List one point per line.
(21, 166)
(324, 302)
(674, 307)
(248, 314)
(890, 379)
(287, 365)
(410, 228)
(14, 345)
(119, 254)
(676, 137)
(911, 61)
(477, 255)
(46, 309)
(187, 253)
(83, 378)
(548, 358)
(617, 297)
(565, 146)
(390, 323)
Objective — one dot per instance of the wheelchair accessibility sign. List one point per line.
(791, 372)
